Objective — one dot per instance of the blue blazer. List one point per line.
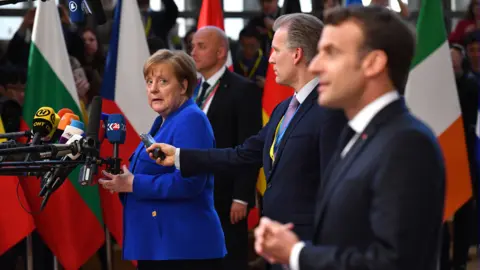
(167, 216)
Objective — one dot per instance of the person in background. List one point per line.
(158, 24)
(18, 49)
(464, 218)
(329, 4)
(472, 45)
(251, 62)
(94, 63)
(404, 12)
(233, 106)
(187, 40)
(169, 220)
(469, 23)
(264, 23)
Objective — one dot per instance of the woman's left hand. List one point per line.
(118, 182)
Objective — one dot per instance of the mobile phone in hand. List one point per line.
(148, 140)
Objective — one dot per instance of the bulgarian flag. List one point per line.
(432, 96)
(71, 224)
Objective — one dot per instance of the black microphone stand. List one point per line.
(14, 135)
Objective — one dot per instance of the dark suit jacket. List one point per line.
(381, 206)
(235, 114)
(306, 148)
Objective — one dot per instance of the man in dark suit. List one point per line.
(297, 142)
(380, 204)
(233, 106)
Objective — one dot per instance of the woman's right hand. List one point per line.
(167, 149)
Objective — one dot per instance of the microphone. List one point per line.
(43, 123)
(116, 133)
(75, 127)
(65, 120)
(50, 136)
(76, 11)
(50, 178)
(63, 111)
(51, 181)
(91, 143)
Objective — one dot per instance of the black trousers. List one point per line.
(463, 238)
(236, 241)
(210, 264)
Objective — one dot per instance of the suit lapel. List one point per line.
(304, 108)
(337, 169)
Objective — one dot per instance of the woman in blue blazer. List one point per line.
(169, 220)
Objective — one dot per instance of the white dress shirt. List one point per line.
(358, 123)
(211, 81)
(303, 93)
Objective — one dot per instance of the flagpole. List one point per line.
(55, 263)
(108, 243)
(29, 252)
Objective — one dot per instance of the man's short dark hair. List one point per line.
(383, 30)
(250, 32)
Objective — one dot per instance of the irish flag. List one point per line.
(71, 224)
(432, 96)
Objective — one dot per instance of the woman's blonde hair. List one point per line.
(183, 67)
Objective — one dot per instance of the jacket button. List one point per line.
(154, 213)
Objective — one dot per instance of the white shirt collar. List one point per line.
(360, 121)
(215, 77)
(306, 90)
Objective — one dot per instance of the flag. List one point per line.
(15, 220)
(432, 75)
(71, 224)
(211, 13)
(124, 92)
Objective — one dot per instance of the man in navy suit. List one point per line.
(297, 142)
(380, 204)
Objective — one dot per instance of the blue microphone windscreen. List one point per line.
(116, 128)
(77, 124)
(104, 117)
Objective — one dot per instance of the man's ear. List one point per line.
(298, 55)
(374, 63)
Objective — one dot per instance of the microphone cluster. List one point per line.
(57, 144)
